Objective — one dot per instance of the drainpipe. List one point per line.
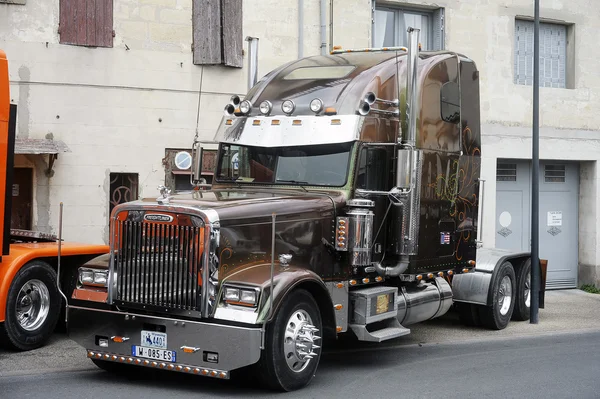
(323, 27)
(300, 28)
(252, 61)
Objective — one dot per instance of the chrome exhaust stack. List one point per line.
(252, 61)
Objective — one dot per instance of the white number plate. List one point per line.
(153, 339)
(153, 353)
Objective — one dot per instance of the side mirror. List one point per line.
(197, 153)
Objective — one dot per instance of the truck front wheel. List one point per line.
(32, 307)
(292, 345)
(497, 316)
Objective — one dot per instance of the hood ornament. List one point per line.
(165, 195)
(284, 259)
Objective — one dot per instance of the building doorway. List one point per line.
(22, 199)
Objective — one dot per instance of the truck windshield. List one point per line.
(317, 165)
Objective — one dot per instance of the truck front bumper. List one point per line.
(201, 348)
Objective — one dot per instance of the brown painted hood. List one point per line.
(248, 206)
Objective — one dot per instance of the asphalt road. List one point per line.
(559, 357)
(565, 365)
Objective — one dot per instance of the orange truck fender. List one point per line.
(22, 253)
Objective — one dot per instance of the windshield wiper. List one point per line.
(299, 182)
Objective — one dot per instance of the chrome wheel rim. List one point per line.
(505, 295)
(33, 305)
(527, 292)
(299, 341)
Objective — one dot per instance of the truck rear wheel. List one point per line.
(497, 316)
(292, 350)
(32, 307)
(523, 295)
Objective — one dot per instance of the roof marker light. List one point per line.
(275, 122)
(330, 111)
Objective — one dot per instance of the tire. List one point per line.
(468, 314)
(273, 368)
(523, 293)
(32, 307)
(497, 316)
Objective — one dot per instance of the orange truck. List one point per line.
(30, 303)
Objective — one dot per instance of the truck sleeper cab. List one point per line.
(345, 199)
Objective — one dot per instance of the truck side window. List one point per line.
(373, 169)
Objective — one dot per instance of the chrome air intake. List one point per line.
(355, 231)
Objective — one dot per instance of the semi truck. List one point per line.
(346, 200)
(30, 303)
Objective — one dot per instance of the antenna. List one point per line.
(399, 134)
(195, 142)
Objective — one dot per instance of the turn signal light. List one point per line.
(352, 282)
(338, 307)
(465, 270)
(378, 279)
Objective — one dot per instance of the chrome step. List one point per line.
(393, 329)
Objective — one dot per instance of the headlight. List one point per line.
(241, 296)
(245, 107)
(316, 105)
(288, 106)
(93, 277)
(265, 107)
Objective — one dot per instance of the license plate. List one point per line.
(153, 353)
(153, 339)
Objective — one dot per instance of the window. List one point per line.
(217, 32)
(318, 165)
(374, 169)
(123, 188)
(506, 172)
(86, 23)
(177, 174)
(553, 54)
(390, 25)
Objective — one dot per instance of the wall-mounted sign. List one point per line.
(555, 218)
(183, 160)
(15, 190)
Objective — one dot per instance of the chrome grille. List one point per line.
(158, 265)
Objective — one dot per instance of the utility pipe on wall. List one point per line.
(323, 27)
(300, 28)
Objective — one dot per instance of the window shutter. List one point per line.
(438, 30)
(207, 32)
(86, 22)
(553, 54)
(232, 33)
